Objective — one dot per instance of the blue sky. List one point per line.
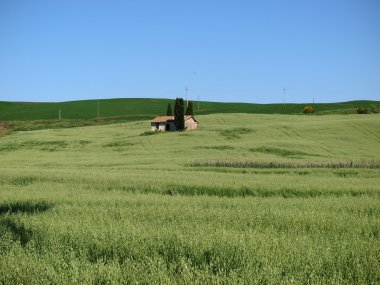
(241, 51)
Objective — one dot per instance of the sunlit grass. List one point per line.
(218, 205)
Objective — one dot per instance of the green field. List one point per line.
(244, 199)
(141, 108)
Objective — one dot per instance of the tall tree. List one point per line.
(169, 111)
(179, 119)
(189, 109)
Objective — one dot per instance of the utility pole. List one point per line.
(284, 94)
(59, 114)
(187, 102)
(98, 110)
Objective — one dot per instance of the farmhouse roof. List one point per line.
(162, 119)
(187, 117)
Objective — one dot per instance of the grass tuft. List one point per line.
(370, 164)
(150, 133)
(281, 152)
(53, 145)
(119, 144)
(235, 133)
(219, 147)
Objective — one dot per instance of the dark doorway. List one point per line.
(167, 128)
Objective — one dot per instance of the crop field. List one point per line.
(244, 199)
(132, 109)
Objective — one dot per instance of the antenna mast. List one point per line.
(187, 102)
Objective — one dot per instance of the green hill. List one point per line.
(136, 109)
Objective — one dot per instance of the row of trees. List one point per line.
(179, 113)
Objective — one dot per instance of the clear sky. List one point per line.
(241, 51)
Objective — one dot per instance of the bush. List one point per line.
(374, 109)
(362, 110)
(308, 109)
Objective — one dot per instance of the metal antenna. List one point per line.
(284, 94)
(187, 102)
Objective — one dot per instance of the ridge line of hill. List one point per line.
(148, 107)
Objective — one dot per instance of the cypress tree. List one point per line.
(189, 109)
(179, 119)
(169, 111)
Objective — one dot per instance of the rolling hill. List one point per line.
(132, 109)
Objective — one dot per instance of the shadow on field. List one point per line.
(29, 207)
(17, 230)
(12, 226)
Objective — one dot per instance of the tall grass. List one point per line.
(371, 164)
(218, 205)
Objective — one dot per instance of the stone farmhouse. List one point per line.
(166, 123)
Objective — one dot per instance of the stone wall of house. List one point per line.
(162, 126)
(190, 124)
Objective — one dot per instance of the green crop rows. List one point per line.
(132, 109)
(244, 199)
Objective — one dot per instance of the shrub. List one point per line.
(362, 110)
(374, 109)
(308, 109)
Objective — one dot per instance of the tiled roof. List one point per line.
(162, 119)
(187, 117)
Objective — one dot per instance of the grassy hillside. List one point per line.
(140, 109)
(110, 204)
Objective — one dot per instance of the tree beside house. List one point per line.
(169, 110)
(189, 109)
(177, 122)
(179, 119)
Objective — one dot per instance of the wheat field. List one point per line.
(244, 199)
